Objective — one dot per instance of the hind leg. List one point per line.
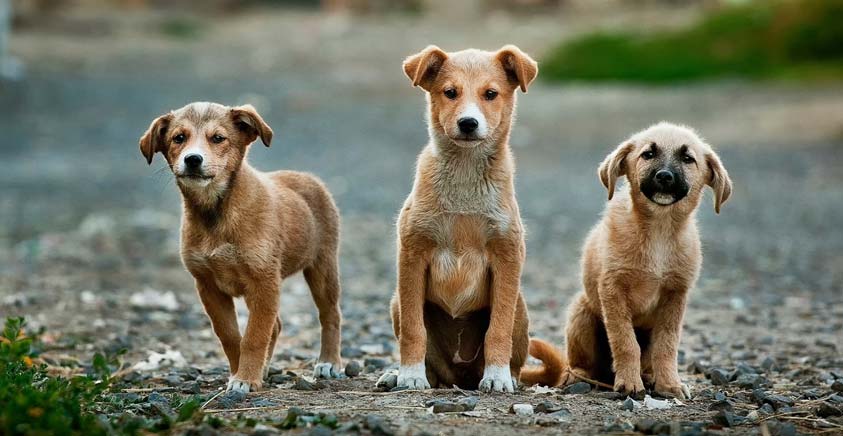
(276, 331)
(324, 282)
(520, 340)
(582, 341)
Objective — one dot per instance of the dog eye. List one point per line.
(451, 93)
(491, 94)
(216, 139)
(649, 154)
(688, 159)
(178, 139)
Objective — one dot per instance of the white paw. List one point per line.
(240, 386)
(413, 377)
(326, 370)
(497, 379)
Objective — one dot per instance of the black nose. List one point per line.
(467, 124)
(664, 177)
(193, 161)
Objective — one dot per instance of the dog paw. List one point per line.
(413, 377)
(629, 385)
(497, 379)
(648, 378)
(673, 390)
(388, 380)
(242, 386)
(326, 370)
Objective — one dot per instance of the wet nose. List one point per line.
(467, 124)
(664, 177)
(193, 161)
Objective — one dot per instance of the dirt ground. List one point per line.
(87, 224)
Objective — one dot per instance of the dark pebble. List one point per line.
(353, 368)
(614, 396)
(231, 399)
(727, 419)
(302, 384)
(628, 404)
(826, 410)
(191, 388)
(720, 377)
(778, 428)
(263, 402)
(837, 399)
(767, 409)
(547, 407)
(769, 364)
(837, 386)
(719, 396)
(464, 404)
(750, 381)
(743, 368)
(277, 379)
(577, 388)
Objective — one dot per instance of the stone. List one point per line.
(750, 381)
(720, 377)
(303, 384)
(577, 388)
(522, 409)
(826, 410)
(727, 419)
(723, 405)
(837, 386)
(353, 368)
(628, 404)
(465, 404)
(547, 407)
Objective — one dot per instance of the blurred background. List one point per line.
(86, 224)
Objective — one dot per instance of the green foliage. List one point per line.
(761, 39)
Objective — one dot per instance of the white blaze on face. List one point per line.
(471, 110)
(181, 167)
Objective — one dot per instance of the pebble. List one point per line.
(465, 404)
(263, 402)
(775, 400)
(230, 399)
(723, 405)
(769, 364)
(628, 404)
(837, 386)
(719, 396)
(562, 415)
(826, 410)
(277, 379)
(548, 407)
(727, 419)
(750, 381)
(191, 388)
(778, 428)
(577, 388)
(353, 368)
(303, 384)
(719, 377)
(521, 409)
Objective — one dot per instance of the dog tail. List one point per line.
(552, 368)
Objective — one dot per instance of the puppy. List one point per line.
(458, 312)
(641, 260)
(244, 231)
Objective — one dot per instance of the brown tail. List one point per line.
(553, 365)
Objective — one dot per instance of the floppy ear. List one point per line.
(152, 140)
(613, 167)
(520, 68)
(247, 119)
(423, 67)
(719, 180)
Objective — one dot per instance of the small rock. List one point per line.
(719, 377)
(277, 379)
(826, 410)
(521, 409)
(230, 399)
(465, 404)
(719, 396)
(303, 384)
(613, 396)
(562, 415)
(577, 388)
(767, 409)
(263, 402)
(353, 368)
(837, 399)
(727, 419)
(173, 380)
(837, 386)
(769, 364)
(750, 381)
(753, 416)
(191, 388)
(628, 404)
(778, 428)
(547, 407)
(723, 405)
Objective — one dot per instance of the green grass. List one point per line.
(769, 39)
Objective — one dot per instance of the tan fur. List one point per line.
(244, 231)
(639, 263)
(458, 307)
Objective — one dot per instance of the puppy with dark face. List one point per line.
(641, 260)
(244, 231)
(458, 311)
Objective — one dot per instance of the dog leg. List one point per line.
(271, 350)
(626, 353)
(665, 344)
(220, 309)
(581, 338)
(263, 315)
(412, 340)
(324, 283)
(506, 277)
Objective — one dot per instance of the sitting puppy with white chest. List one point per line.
(458, 311)
(244, 231)
(641, 260)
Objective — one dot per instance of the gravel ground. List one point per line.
(89, 241)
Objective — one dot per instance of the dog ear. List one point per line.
(247, 119)
(719, 180)
(613, 167)
(152, 140)
(423, 67)
(520, 68)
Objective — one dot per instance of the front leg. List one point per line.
(220, 309)
(665, 345)
(506, 281)
(262, 302)
(626, 353)
(412, 339)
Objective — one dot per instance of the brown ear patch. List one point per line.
(247, 119)
(153, 140)
(423, 67)
(719, 181)
(520, 68)
(613, 167)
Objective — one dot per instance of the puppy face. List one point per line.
(471, 93)
(667, 167)
(204, 143)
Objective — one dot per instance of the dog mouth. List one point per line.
(467, 141)
(194, 177)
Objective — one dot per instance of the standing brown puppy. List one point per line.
(243, 231)
(458, 312)
(641, 259)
